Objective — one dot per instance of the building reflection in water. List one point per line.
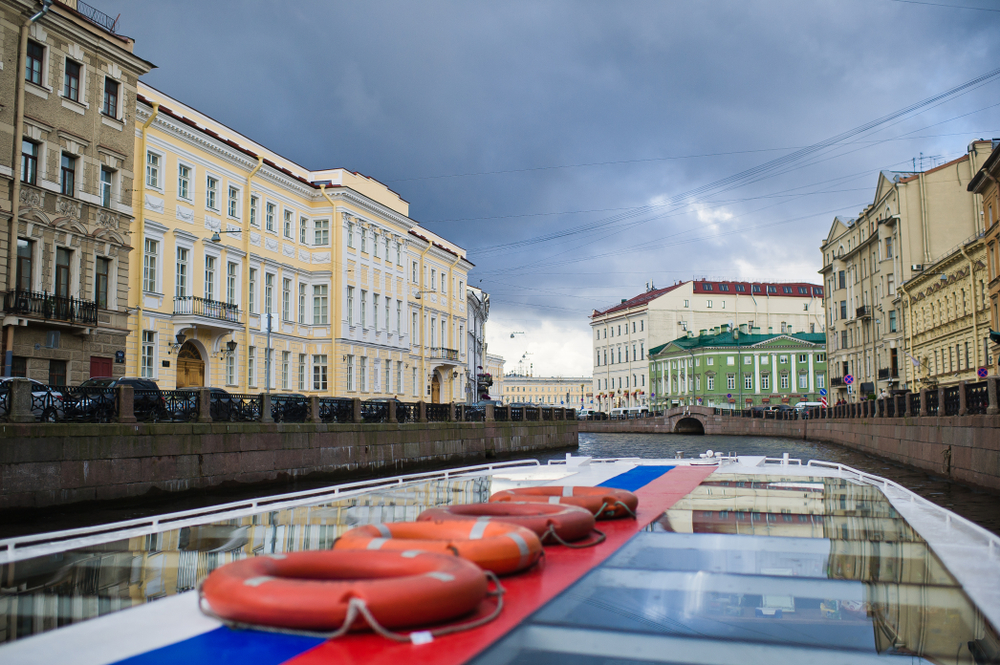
(47, 592)
(898, 587)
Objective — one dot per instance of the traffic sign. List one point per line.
(848, 379)
(822, 391)
(982, 372)
(729, 395)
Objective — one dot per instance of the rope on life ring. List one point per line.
(603, 502)
(323, 593)
(566, 522)
(495, 546)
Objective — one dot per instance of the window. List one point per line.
(350, 234)
(71, 80)
(375, 311)
(287, 228)
(433, 278)
(148, 340)
(747, 382)
(413, 277)
(707, 287)
(212, 193)
(821, 357)
(375, 244)
(388, 376)
(251, 366)
(730, 360)
(110, 107)
(803, 358)
(29, 162)
(784, 382)
(350, 305)
(321, 232)
(252, 291)
(209, 278)
(302, 371)
(363, 374)
(234, 197)
(710, 383)
(399, 260)
(303, 230)
(286, 299)
(269, 210)
(730, 382)
(150, 252)
(152, 170)
(67, 175)
(320, 304)
(820, 381)
(302, 303)
(364, 306)
(184, 182)
(364, 239)
(710, 360)
(783, 360)
(399, 317)
(414, 338)
(231, 283)
(319, 372)
(765, 381)
(399, 377)
(387, 303)
(350, 373)
(254, 207)
(57, 372)
(33, 64)
(102, 274)
(106, 182)
(181, 279)
(444, 283)
(803, 381)
(230, 369)
(708, 304)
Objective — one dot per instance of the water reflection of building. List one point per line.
(47, 592)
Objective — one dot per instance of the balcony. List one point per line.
(887, 373)
(441, 353)
(51, 307)
(207, 313)
(837, 381)
(863, 312)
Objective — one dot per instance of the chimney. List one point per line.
(703, 331)
(725, 327)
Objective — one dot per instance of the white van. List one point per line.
(619, 413)
(809, 405)
(637, 412)
(583, 414)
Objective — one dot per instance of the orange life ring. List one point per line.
(495, 546)
(567, 522)
(603, 502)
(311, 590)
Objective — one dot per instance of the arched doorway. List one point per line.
(190, 367)
(435, 389)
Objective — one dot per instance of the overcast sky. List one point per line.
(579, 150)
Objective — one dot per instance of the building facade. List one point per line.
(623, 334)
(572, 392)
(253, 273)
(478, 379)
(494, 367)
(738, 368)
(946, 319)
(67, 89)
(914, 221)
(986, 184)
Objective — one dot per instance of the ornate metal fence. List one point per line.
(501, 413)
(289, 408)
(932, 402)
(477, 414)
(531, 412)
(890, 407)
(244, 408)
(374, 412)
(89, 405)
(914, 403)
(4, 402)
(336, 410)
(516, 413)
(148, 406)
(977, 398)
(407, 412)
(548, 414)
(438, 413)
(46, 404)
(952, 400)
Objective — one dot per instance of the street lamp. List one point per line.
(218, 238)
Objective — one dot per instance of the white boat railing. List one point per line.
(948, 518)
(24, 547)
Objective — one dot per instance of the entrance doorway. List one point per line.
(190, 367)
(100, 366)
(435, 389)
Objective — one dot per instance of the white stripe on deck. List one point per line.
(115, 636)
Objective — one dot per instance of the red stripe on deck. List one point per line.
(526, 592)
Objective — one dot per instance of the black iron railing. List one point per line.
(289, 408)
(97, 17)
(443, 353)
(90, 405)
(477, 414)
(244, 408)
(863, 312)
(977, 398)
(952, 401)
(516, 413)
(437, 413)
(932, 402)
(502, 413)
(914, 403)
(336, 410)
(890, 407)
(531, 413)
(49, 306)
(374, 412)
(407, 412)
(211, 309)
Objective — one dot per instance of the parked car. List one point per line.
(585, 414)
(148, 403)
(289, 408)
(46, 402)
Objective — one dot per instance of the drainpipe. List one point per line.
(972, 293)
(245, 384)
(15, 199)
(335, 229)
(909, 330)
(140, 218)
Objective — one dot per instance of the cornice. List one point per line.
(348, 195)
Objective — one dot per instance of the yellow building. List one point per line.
(231, 236)
(985, 184)
(572, 392)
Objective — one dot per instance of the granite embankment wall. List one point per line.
(44, 464)
(963, 448)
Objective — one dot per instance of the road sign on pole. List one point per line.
(982, 372)
(849, 379)
(822, 391)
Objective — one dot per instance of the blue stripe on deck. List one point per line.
(224, 645)
(638, 477)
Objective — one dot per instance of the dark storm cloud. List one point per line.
(421, 94)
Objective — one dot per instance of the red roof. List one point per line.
(766, 289)
(640, 299)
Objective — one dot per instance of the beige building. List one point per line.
(915, 219)
(67, 137)
(986, 184)
(946, 319)
(494, 366)
(572, 392)
(624, 333)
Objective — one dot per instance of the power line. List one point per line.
(941, 4)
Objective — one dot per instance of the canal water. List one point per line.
(978, 506)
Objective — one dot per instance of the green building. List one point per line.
(737, 368)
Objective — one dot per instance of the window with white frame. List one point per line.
(399, 257)
(783, 360)
(252, 293)
(319, 372)
(184, 182)
(399, 377)
(748, 382)
(268, 293)
(153, 161)
(710, 383)
(414, 384)
(181, 278)
(364, 306)
(234, 202)
(320, 304)
(433, 279)
(211, 193)
(350, 234)
(350, 373)
(231, 274)
(150, 257)
(364, 238)
(302, 303)
(255, 211)
(321, 232)
(413, 276)
(269, 210)
(387, 303)
(286, 299)
(252, 366)
(414, 331)
(210, 277)
(303, 230)
(784, 382)
(302, 371)
(230, 369)
(363, 374)
(148, 353)
(286, 360)
(375, 304)
(387, 388)
(820, 381)
(288, 221)
(399, 317)
(730, 382)
(375, 243)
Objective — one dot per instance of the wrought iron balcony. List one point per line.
(51, 307)
(837, 381)
(444, 354)
(211, 309)
(887, 373)
(863, 312)
(97, 17)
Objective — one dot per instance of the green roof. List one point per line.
(726, 339)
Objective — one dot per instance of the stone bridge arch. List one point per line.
(687, 420)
